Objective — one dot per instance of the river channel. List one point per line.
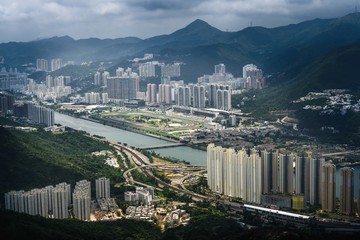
(193, 156)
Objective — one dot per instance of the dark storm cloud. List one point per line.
(164, 5)
(26, 20)
(300, 1)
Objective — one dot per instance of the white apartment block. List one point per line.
(151, 93)
(165, 93)
(199, 96)
(55, 64)
(102, 186)
(92, 98)
(171, 70)
(82, 200)
(147, 69)
(40, 115)
(235, 174)
(104, 98)
(183, 96)
(97, 79)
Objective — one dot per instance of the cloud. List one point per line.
(30, 19)
(164, 4)
(109, 8)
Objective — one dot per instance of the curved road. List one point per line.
(144, 161)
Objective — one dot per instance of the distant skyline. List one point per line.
(33, 19)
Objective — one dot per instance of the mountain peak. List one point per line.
(198, 27)
(198, 24)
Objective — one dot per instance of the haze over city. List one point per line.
(34, 19)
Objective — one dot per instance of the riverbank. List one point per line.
(132, 138)
(125, 126)
(348, 164)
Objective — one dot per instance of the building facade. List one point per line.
(347, 191)
(82, 200)
(102, 186)
(123, 88)
(328, 187)
(151, 93)
(199, 96)
(235, 173)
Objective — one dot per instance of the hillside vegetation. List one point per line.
(337, 70)
(38, 159)
(22, 226)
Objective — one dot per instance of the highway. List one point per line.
(339, 153)
(143, 163)
(188, 176)
(132, 181)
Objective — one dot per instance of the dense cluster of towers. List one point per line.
(248, 174)
(56, 202)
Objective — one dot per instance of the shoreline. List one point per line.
(122, 126)
(125, 127)
(355, 164)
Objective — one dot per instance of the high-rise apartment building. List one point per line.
(183, 96)
(199, 96)
(60, 201)
(220, 69)
(236, 174)
(267, 183)
(285, 173)
(97, 79)
(92, 98)
(223, 99)
(151, 93)
(40, 115)
(251, 70)
(82, 200)
(171, 70)
(49, 81)
(147, 69)
(165, 93)
(7, 101)
(302, 175)
(144, 195)
(12, 201)
(102, 186)
(347, 191)
(104, 98)
(213, 96)
(124, 88)
(328, 187)
(42, 65)
(55, 64)
(52, 202)
(253, 77)
(315, 185)
(105, 75)
(12, 79)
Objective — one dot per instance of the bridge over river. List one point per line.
(168, 145)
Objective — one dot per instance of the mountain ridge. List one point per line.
(281, 51)
(197, 33)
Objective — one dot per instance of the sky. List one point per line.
(26, 20)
